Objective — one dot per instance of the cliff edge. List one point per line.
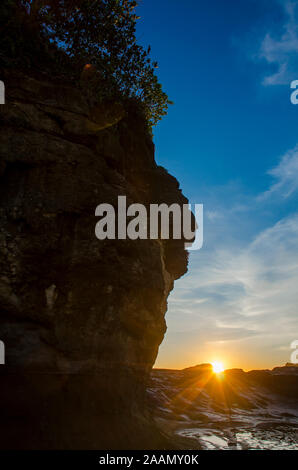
(81, 319)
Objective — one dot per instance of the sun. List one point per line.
(217, 367)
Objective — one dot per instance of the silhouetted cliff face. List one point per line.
(81, 319)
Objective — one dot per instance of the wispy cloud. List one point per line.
(282, 51)
(285, 175)
(256, 282)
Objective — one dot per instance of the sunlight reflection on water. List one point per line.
(260, 439)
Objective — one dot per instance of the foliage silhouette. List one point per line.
(72, 33)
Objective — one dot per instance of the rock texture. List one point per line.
(81, 319)
(233, 410)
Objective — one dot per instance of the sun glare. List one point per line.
(217, 367)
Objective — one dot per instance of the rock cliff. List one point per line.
(81, 319)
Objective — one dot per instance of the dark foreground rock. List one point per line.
(81, 319)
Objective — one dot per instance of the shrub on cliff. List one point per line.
(101, 32)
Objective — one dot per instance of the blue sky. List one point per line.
(230, 139)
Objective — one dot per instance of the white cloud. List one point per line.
(213, 215)
(283, 51)
(286, 176)
(255, 284)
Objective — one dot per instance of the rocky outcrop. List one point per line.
(81, 319)
(231, 410)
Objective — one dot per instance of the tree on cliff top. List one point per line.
(102, 33)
